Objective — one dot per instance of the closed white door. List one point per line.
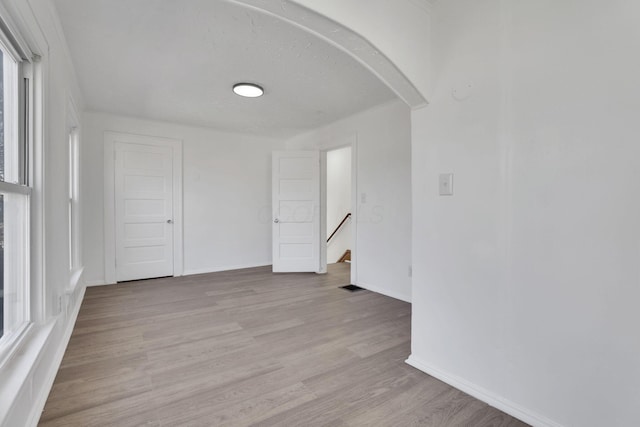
(296, 211)
(143, 211)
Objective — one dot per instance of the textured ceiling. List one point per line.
(177, 61)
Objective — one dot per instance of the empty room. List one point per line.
(319, 213)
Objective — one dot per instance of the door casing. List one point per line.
(110, 138)
(350, 140)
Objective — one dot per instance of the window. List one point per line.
(14, 195)
(73, 204)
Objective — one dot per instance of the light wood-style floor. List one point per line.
(249, 348)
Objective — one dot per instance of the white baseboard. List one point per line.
(96, 283)
(191, 272)
(480, 393)
(41, 399)
(385, 292)
(75, 281)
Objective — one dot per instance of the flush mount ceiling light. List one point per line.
(248, 90)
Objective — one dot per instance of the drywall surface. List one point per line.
(526, 280)
(398, 28)
(26, 377)
(227, 194)
(338, 202)
(391, 39)
(383, 163)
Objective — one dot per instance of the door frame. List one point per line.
(110, 139)
(350, 140)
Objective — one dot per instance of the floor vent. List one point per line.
(352, 288)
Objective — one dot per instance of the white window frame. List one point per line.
(74, 214)
(18, 193)
(16, 237)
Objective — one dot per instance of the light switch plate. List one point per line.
(445, 184)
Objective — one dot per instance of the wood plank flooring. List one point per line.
(249, 348)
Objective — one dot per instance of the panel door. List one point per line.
(143, 211)
(296, 211)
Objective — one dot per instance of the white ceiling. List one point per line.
(177, 61)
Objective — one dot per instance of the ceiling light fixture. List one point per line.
(248, 90)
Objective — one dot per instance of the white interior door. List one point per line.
(296, 211)
(143, 211)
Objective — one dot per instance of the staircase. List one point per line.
(346, 256)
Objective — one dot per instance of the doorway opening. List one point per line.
(339, 209)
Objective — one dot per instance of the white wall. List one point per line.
(338, 202)
(26, 378)
(227, 194)
(399, 28)
(389, 38)
(527, 281)
(383, 158)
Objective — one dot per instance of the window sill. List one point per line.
(17, 368)
(9, 345)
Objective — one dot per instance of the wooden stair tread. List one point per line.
(346, 256)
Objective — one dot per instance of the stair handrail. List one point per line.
(346, 217)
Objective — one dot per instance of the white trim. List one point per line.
(74, 173)
(11, 343)
(39, 207)
(109, 212)
(13, 100)
(30, 36)
(354, 208)
(348, 41)
(194, 271)
(21, 47)
(490, 398)
(75, 281)
(93, 283)
(385, 292)
(73, 120)
(18, 242)
(41, 399)
(323, 212)
(18, 373)
(8, 187)
(32, 40)
(110, 138)
(6, 43)
(350, 140)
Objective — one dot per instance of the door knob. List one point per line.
(169, 221)
(276, 220)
